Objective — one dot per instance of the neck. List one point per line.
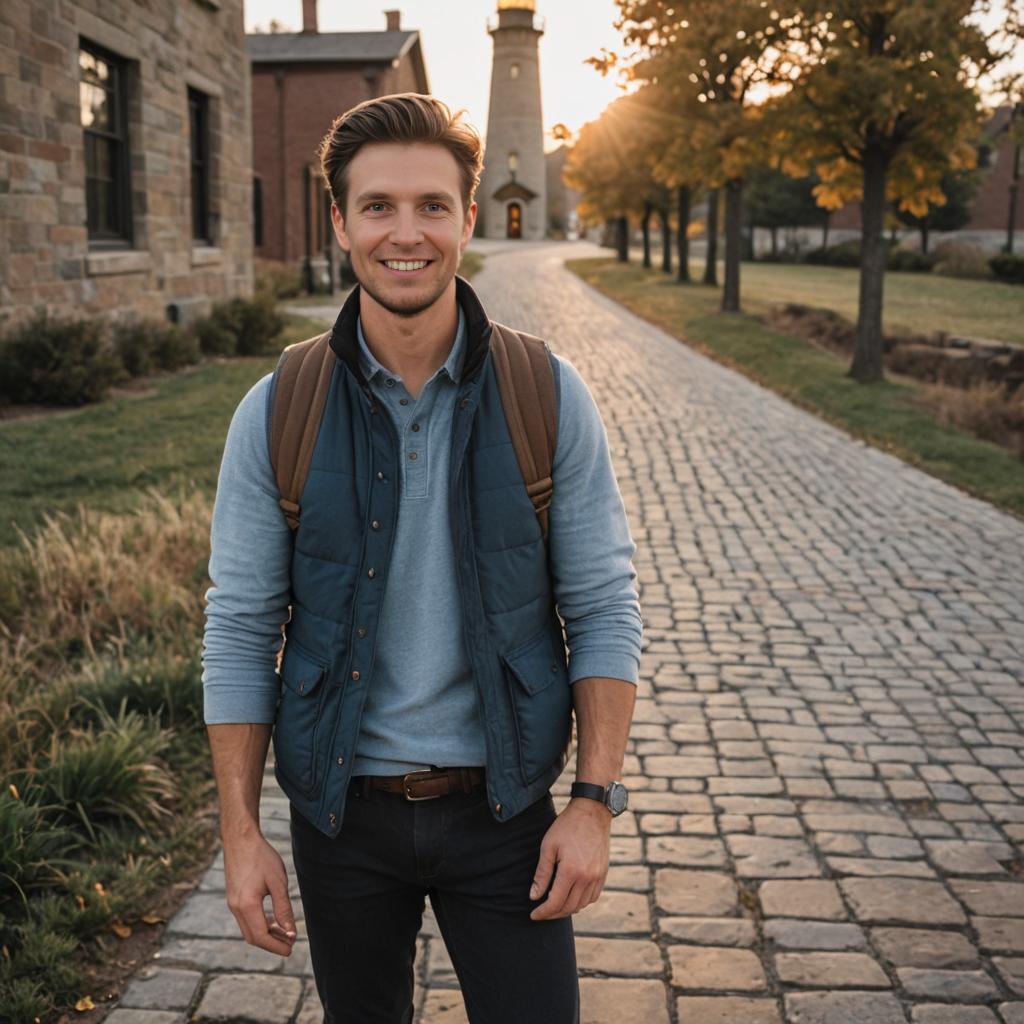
(412, 347)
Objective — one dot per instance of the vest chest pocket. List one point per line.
(541, 703)
(298, 715)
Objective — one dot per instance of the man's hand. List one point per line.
(252, 869)
(576, 849)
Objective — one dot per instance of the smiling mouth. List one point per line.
(406, 266)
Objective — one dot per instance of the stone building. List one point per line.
(125, 157)
(301, 81)
(512, 196)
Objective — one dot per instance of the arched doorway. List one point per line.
(513, 221)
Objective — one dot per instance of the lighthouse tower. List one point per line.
(512, 194)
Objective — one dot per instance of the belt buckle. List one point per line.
(405, 785)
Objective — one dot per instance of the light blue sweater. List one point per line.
(422, 709)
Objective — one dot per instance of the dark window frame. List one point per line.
(257, 211)
(118, 231)
(199, 164)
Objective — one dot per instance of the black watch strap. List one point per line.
(588, 789)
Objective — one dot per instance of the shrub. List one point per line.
(57, 362)
(133, 342)
(843, 254)
(174, 347)
(279, 279)
(984, 408)
(244, 327)
(961, 259)
(1008, 267)
(910, 260)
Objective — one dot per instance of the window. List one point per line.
(257, 212)
(513, 163)
(199, 136)
(103, 101)
(513, 71)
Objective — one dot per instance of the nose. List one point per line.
(405, 230)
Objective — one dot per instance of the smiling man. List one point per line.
(424, 700)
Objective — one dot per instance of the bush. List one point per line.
(244, 327)
(281, 280)
(961, 259)
(133, 343)
(910, 260)
(174, 347)
(1008, 267)
(844, 254)
(57, 362)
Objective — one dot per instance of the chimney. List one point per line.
(309, 16)
(394, 20)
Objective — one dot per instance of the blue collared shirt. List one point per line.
(422, 707)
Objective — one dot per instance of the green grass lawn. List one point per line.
(886, 414)
(106, 455)
(920, 303)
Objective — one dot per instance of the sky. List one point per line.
(457, 49)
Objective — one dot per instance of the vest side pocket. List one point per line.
(298, 714)
(538, 683)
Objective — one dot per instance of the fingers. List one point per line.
(542, 876)
(283, 917)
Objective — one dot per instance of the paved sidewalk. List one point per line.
(827, 758)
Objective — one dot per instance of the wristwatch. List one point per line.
(615, 797)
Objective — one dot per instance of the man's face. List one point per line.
(403, 226)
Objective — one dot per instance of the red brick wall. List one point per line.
(293, 107)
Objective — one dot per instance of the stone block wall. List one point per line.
(46, 260)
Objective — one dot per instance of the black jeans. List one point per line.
(363, 897)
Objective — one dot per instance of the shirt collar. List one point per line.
(452, 365)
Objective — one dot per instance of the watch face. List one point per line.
(618, 797)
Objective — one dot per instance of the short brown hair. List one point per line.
(405, 117)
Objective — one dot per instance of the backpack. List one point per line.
(525, 381)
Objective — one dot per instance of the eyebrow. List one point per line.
(368, 197)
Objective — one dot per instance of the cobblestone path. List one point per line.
(827, 757)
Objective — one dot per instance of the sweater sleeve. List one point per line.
(250, 554)
(590, 548)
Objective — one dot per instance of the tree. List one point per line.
(882, 105)
(774, 200)
(710, 58)
(958, 189)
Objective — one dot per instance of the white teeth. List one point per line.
(405, 264)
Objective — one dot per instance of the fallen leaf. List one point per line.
(153, 919)
(80, 902)
(85, 1003)
(14, 791)
(122, 931)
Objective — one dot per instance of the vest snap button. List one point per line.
(341, 760)
(333, 818)
(361, 631)
(355, 676)
(371, 572)
(380, 475)
(375, 524)
(497, 807)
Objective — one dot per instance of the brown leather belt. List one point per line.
(425, 784)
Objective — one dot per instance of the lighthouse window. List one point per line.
(513, 162)
(513, 71)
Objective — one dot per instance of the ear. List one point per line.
(338, 222)
(467, 228)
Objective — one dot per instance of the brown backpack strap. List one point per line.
(303, 379)
(526, 383)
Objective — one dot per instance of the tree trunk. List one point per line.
(824, 229)
(645, 227)
(622, 238)
(924, 237)
(666, 240)
(867, 356)
(1011, 220)
(711, 256)
(733, 243)
(775, 242)
(683, 235)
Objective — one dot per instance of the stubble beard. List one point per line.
(412, 306)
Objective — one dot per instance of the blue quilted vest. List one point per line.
(340, 567)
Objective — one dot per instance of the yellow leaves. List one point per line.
(79, 902)
(14, 791)
(153, 919)
(85, 1003)
(121, 930)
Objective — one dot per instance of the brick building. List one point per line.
(301, 81)
(125, 157)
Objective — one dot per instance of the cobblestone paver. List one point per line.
(827, 757)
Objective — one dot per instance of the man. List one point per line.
(423, 704)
